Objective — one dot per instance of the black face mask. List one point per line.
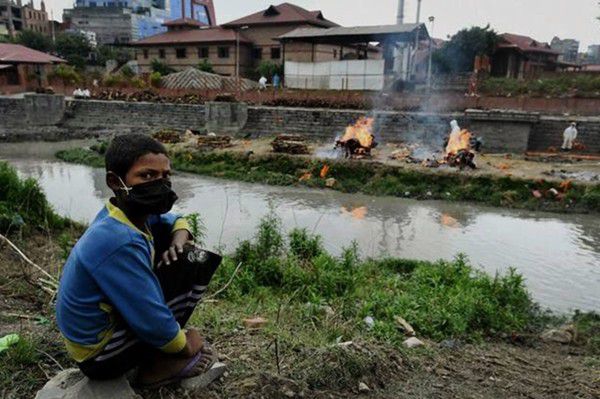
(154, 198)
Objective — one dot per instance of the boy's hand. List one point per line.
(180, 238)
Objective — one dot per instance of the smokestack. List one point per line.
(419, 12)
(400, 17)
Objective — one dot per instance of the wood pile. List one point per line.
(213, 142)
(167, 136)
(290, 144)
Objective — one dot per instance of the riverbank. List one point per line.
(332, 322)
(257, 165)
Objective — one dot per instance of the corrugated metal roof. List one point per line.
(379, 30)
(17, 54)
(193, 78)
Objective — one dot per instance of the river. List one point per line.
(559, 255)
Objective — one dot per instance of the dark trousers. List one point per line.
(183, 283)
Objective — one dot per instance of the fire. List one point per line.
(362, 131)
(458, 141)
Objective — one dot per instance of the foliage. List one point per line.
(588, 328)
(198, 229)
(127, 72)
(206, 66)
(115, 80)
(557, 85)
(458, 54)
(34, 40)
(161, 67)
(155, 79)
(74, 47)
(23, 203)
(104, 53)
(269, 68)
(67, 74)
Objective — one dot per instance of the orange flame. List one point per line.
(362, 131)
(458, 141)
(324, 171)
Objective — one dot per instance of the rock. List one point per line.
(563, 335)
(255, 322)
(72, 384)
(330, 182)
(413, 342)
(450, 344)
(408, 329)
(202, 381)
(362, 387)
(327, 310)
(369, 321)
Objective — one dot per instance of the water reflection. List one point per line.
(559, 255)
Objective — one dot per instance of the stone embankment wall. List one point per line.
(51, 118)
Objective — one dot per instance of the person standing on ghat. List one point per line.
(569, 136)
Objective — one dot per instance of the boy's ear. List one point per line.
(112, 181)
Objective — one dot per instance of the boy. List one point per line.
(133, 280)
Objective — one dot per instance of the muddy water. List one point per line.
(559, 255)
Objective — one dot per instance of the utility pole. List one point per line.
(52, 26)
(400, 15)
(182, 9)
(419, 11)
(432, 20)
(11, 25)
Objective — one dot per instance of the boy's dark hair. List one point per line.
(124, 150)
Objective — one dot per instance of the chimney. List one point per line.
(400, 16)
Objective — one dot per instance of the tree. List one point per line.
(104, 53)
(34, 40)
(73, 47)
(458, 54)
(268, 69)
(205, 66)
(160, 67)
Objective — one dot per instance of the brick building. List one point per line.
(520, 56)
(257, 32)
(36, 20)
(11, 19)
(22, 66)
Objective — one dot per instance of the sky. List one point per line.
(540, 19)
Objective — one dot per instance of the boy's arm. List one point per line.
(174, 221)
(126, 278)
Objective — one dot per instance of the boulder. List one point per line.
(363, 388)
(413, 342)
(72, 384)
(563, 335)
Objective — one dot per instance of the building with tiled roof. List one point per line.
(20, 65)
(187, 44)
(519, 56)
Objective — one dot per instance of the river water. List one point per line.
(559, 255)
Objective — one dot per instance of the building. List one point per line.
(187, 43)
(264, 27)
(10, 16)
(22, 66)
(125, 21)
(36, 20)
(518, 56)
(257, 33)
(567, 48)
(593, 54)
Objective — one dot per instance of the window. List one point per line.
(275, 53)
(181, 53)
(161, 53)
(223, 52)
(257, 53)
(145, 54)
(202, 52)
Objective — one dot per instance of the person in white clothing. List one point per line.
(262, 83)
(569, 136)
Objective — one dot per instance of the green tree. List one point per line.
(34, 40)
(73, 47)
(458, 54)
(161, 67)
(205, 66)
(103, 53)
(269, 68)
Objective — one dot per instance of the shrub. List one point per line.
(205, 66)
(67, 74)
(155, 79)
(161, 67)
(115, 80)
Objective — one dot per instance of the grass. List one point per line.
(373, 179)
(559, 85)
(23, 204)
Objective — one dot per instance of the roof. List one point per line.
(525, 44)
(193, 78)
(202, 35)
(15, 53)
(356, 34)
(184, 22)
(282, 14)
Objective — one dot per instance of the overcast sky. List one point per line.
(541, 19)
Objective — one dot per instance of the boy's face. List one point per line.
(147, 168)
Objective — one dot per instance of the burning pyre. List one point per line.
(358, 140)
(459, 149)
